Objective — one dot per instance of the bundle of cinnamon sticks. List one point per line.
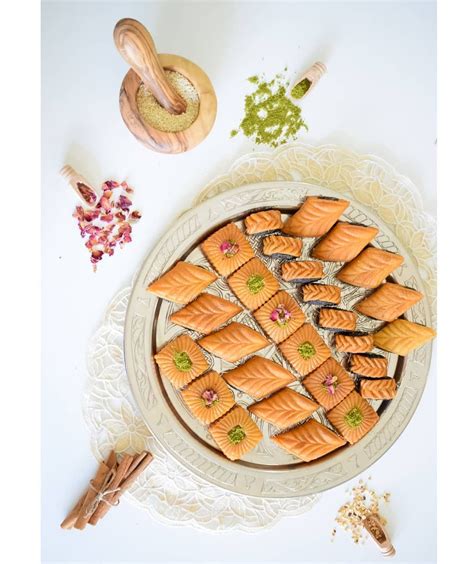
(112, 479)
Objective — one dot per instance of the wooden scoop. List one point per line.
(313, 74)
(379, 534)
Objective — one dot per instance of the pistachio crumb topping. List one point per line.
(236, 435)
(306, 350)
(256, 283)
(182, 361)
(354, 417)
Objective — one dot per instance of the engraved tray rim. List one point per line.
(293, 481)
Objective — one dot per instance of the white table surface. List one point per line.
(378, 97)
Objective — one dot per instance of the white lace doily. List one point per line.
(166, 490)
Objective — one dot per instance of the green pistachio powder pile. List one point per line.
(271, 118)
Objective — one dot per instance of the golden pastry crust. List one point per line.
(384, 389)
(333, 318)
(253, 284)
(280, 317)
(322, 294)
(302, 270)
(309, 441)
(370, 268)
(329, 383)
(305, 350)
(370, 366)
(182, 283)
(181, 360)
(284, 409)
(208, 397)
(344, 242)
(388, 302)
(235, 433)
(402, 336)
(354, 343)
(259, 377)
(205, 314)
(233, 342)
(260, 222)
(315, 217)
(353, 417)
(281, 245)
(227, 249)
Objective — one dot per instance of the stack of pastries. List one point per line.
(339, 390)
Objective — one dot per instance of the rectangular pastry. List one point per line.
(383, 389)
(344, 242)
(263, 221)
(329, 383)
(369, 365)
(235, 433)
(253, 284)
(280, 317)
(305, 350)
(354, 417)
(181, 360)
(388, 302)
(208, 397)
(280, 246)
(321, 294)
(284, 409)
(182, 283)
(227, 249)
(354, 343)
(302, 270)
(259, 377)
(370, 268)
(402, 336)
(206, 313)
(337, 319)
(315, 217)
(233, 342)
(309, 441)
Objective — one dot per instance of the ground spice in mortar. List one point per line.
(300, 89)
(157, 117)
(271, 118)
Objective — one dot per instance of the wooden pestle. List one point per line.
(136, 46)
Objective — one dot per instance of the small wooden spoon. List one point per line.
(313, 74)
(379, 534)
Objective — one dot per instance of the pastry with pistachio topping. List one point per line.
(280, 317)
(208, 397)
(329, 383)
(227, 249)
(354, 417)
(305, 350)
(253, 284)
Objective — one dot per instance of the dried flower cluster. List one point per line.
(109, 223)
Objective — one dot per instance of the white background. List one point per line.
(378, 97)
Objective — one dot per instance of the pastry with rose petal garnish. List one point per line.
(305, 350)
(208, 397)
(302, 271)
(370, 268)
(321, 294)
(280, 317)
(182, 283)
(344, 242)
(337, 319)
(315, 217)
(309, 441)
(259, 377)
(181, 360)
(263, 221)
(402, 336)
(206, 313)
(388, 302)
(235, 433)
(284, 409)
(354, 343)
(279, 246)
(233, 342)
(354, 417)
(383, 389)
(329, 383)
(253, 284)
(227, 249)
(369, 365)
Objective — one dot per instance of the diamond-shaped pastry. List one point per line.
(315, 217)
(305, 350)
(337, 319)
(259, 377)
(181, 360)
(322, 294)
(253, 284)
(233, 342)
(208, 397)
(280, 246)
(284, 409)
(402, 336)
(354, 417)
(369, 365)
(206, 313)
(235, 433)
(388, 302)
(329, 383)
(227, 249)
(309, 441)
(344, 242)
(354, 343)
(182, 283)
(280, 317)
(383, 389)
(301, 270)
(263, 221)
(370, 268)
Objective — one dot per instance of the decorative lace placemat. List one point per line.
(166, 490)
